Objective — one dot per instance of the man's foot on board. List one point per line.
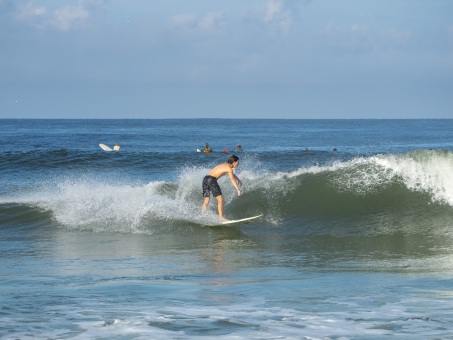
(223, 219)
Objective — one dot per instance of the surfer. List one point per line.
(210, 184)
(207, 149)
(239, 148)
(116, 147)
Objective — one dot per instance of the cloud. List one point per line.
(210, 21)
(280, 16)
(69, 16)
(63, 18)
(36, 15)
(278, 13)
(184, 20)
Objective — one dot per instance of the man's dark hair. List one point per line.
(232, 159)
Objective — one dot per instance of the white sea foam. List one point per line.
(354, 318)
(425, 171)
(99, 206)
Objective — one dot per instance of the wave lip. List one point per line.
(424, 171)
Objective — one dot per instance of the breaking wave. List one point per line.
(410, 191)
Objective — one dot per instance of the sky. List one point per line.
(304, 59)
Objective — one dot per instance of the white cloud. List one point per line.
(184, 20)
(278, 13)
(279, 16)
(210, 21)
(69, 16)
(31, 13)
(63, 18)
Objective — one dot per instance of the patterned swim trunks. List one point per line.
(210, 185)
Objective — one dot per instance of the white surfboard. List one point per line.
(105, 147)
(236, 222)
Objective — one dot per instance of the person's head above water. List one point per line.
(233, 159)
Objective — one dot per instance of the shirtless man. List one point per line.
(210, 183)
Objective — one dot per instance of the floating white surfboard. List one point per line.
(105, 147)
(235, 222)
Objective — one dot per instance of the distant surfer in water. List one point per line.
(207, 149)
(210, 184)
(116, 147)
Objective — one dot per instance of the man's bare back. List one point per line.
(221, 170)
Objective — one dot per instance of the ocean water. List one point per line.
(354, 244)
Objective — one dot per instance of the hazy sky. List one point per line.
(226, 59)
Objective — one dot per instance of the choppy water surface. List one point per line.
(354, 243)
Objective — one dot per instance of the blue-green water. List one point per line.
(354, 244)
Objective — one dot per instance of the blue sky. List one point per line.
(226, 59)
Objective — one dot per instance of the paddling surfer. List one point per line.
(210, 184)
(207, 149)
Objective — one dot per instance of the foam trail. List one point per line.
(100, 207)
